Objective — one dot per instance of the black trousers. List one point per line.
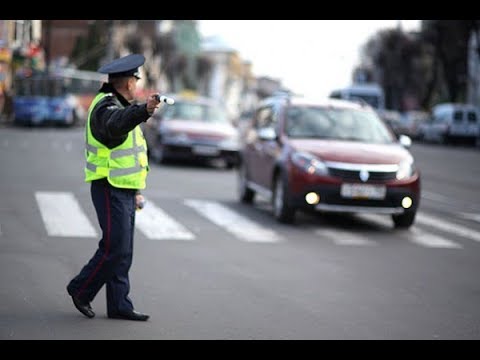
(112, 260)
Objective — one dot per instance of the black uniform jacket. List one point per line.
(114, 117)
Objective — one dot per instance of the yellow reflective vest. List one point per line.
(125, 166)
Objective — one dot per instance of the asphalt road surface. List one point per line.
(208, 267)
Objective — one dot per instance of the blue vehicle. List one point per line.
(55, 98)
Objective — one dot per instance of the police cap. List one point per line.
(124, 67)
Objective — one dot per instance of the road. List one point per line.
(208, 267)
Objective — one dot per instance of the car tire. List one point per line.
(245, 194)
(282, 210)
(404, 221)
(229, 164)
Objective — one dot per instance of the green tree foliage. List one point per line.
(88, 51)
(449, 39)
(401, 63)
(430, 66)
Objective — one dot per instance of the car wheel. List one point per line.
(282, 211)
(245, 194)
(229, 164)
(404, 221)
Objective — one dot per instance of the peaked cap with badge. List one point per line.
(124, 67)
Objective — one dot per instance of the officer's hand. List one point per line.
(152, 103)
(139, 202)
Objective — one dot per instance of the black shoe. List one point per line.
(83, 307)
(132, 315)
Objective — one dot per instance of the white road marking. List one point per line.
(429, 240)
(340, 237)
(156, 224)
(63, 216)
(448, 226)
(240, 226)
(415, 235)
(470, 216)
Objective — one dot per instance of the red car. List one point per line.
(331, 156)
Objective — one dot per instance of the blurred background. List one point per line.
(417, 64)
(212, 262)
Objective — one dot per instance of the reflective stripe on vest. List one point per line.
(125, 166)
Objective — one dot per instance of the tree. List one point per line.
(449, 39)
(400, 63)
(89, 51)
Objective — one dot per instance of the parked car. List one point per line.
(410, 123)
(194, 128)
(452, 123)
(392, 118)
(330, 156)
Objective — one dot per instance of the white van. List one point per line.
(371, 93)
(452, 122)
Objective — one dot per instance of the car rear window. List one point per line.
(472, 117)
(458, 116)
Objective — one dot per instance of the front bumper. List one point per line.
(199, 152)
(332, 201)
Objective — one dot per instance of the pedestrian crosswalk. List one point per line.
(63, 215)
(345, 238)
(236, 224)
(156, 224)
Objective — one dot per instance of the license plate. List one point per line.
(363, 191)
(205, 150)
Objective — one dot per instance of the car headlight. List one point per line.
(309, 163)
(405, 169)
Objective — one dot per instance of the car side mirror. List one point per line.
(405, 141)
(267, 134)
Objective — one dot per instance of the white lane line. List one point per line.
(156, 224)
(429, 240)
(415, 235)
(345, 238)
(240, 226)
(448, 226)
(63, 216)
(470, 216)
(0, 230)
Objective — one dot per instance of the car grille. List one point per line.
(355, 174)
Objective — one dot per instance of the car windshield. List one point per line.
(339, 124)
(196, 112)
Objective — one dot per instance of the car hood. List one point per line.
(199, 128)
(352, 152)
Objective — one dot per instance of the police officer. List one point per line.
(116, 167)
